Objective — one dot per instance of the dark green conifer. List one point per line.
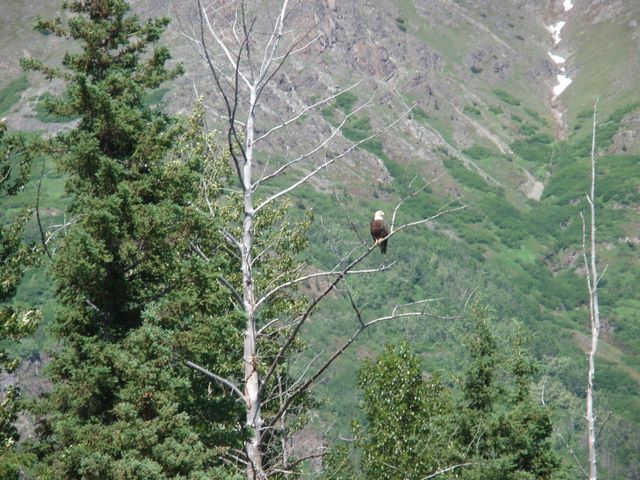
(135, 301)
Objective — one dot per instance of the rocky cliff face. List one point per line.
(446, 57)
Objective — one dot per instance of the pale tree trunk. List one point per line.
(250, 355)
(594, 312)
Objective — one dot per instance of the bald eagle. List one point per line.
(379, 231)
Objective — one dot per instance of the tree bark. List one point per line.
(592, 279)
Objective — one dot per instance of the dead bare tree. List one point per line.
(594, 312)
(244, 50)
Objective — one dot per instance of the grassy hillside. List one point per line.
(525, 261)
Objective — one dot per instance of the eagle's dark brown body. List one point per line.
(378, 232)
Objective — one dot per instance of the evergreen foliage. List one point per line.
(488, 425)
(15, 256)
(142, 274)
(134, 299)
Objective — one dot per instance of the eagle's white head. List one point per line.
(379, 215)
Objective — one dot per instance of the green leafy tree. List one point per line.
(485, 427)
(15, 256)
(409, 418)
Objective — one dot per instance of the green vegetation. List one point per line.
(135, 219)
(491, 408)
(119, 405)
(472, 110)
(478, 152)
(357, 129)
(345, 102)
(45, 110)
(535, 115)
(506, 97)
(15, 322)
(604, 53)
(537, 148)
(11, 94)
(155, 98)
(465, 176)
(420, 115)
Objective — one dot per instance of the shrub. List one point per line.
(506, 97)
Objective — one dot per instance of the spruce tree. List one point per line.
(134, 299)
(507, 432)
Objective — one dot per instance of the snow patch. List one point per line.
(557, 59)
(563, 83)
(568, 5)
(555, 30)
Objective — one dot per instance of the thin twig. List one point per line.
(408, 197)
(329, 162)
(573, 454)
(448, 469)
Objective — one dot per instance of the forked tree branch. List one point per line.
(327, 163)
(230, 58)
(314, 150)
(236, 391)
(300, 321)
(305, 111)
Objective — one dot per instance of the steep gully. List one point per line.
(562, 78)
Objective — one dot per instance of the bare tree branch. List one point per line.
(348, 217)
(573, 454)
(317, 148)
(327, 163)
(448, 469)
(410, 196)
(305, 111)
(218, 379)
(233, 61)
(295, 281)
(311, 380)
(231, 288)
